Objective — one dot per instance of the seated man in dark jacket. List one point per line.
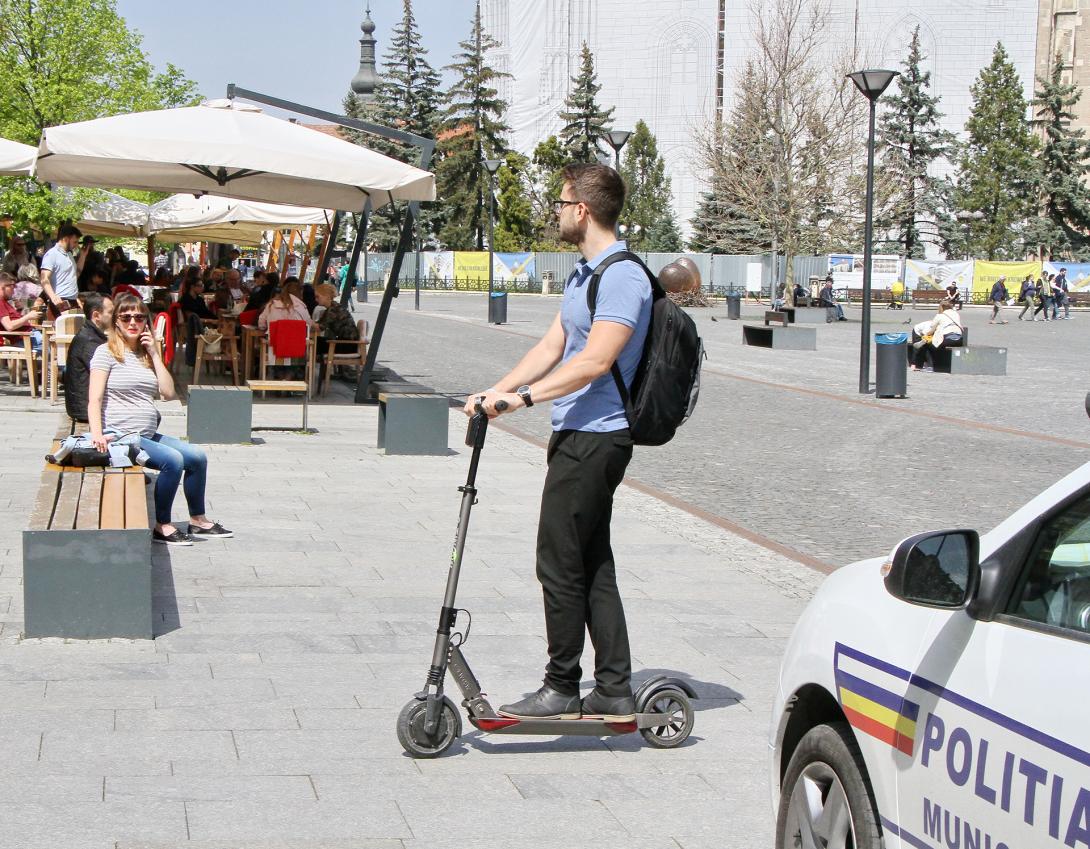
(99, 311)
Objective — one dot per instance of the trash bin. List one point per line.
(891, 365)
(734, 307)
(497, 308)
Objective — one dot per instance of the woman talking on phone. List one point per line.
(126, 375)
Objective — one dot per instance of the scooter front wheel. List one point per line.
(679, 718)
(416, 741)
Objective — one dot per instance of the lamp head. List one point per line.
(618, 138)
(872, 83)
(492, 165)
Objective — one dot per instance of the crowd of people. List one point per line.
(1045, 296)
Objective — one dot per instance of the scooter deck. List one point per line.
(554, 727)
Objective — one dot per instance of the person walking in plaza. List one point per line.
(1060, 296)
(1025, 296)
(60, 270)
(1045, 303)
(99, 312)
(126, 374)
(587, 455)
(998, 298)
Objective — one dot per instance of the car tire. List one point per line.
(825, 797)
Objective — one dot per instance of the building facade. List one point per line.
(1063, 36)
(673, 63)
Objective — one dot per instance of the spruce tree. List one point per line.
(406, 98)
(998, 173)
(473, 130)
(585, 123)
(911, 143)
(545, 184)
(1065, 200)
(648, 209)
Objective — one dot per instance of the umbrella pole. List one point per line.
(332, 232)
(357, 248)
(388, 296)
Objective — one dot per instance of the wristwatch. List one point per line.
(524, 394)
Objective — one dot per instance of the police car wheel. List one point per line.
(825, 800)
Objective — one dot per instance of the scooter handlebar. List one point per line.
(478, 422)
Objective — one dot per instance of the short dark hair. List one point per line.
(599, 187)
(66, 230)
(92, 303)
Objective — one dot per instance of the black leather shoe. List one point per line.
(546, 703)
(609, 708)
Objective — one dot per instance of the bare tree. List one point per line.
(787, 168)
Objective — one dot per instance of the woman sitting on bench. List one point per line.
(944, 331)
(126, 375)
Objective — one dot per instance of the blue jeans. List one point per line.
(171, 457)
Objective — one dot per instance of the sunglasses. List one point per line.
(130, 317)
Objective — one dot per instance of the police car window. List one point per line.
(1055, 588)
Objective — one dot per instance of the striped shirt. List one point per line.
(131, 388)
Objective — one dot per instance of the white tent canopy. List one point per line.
(184, 217)
(16, 160)
(115, 216)
(228, 149)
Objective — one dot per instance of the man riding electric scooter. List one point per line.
(588, 453)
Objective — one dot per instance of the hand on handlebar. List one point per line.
(492, 403)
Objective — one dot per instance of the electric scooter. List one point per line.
(430, 723)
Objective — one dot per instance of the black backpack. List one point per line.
(667, 381)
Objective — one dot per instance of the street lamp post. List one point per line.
(967, 218)
(617, 139)
(491, 166)
(871, 83)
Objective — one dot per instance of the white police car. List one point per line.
(940, 698)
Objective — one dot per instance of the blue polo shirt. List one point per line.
(624, 296)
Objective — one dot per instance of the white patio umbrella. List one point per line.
(228, 149)
(16, 160)
(115, 216)
(184, 217)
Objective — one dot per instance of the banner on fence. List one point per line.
(986, 273)
(1078, 274)
(847, 270)
(438, 265)
(514, 267)
(921, 274)
(471, 269)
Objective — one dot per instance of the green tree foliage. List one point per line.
(585, 123)
(911, 143)
(648, 212)
(544, 185)
(514, 215)
(473, 130)
(69, 61)
(1064, 229)
(408, 97)
(998, 171)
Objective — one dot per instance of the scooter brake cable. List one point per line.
(458, 634)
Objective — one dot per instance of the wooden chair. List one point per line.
(65, 328)
(345, 352)
(267, 358)
(228, 352)
(18, 355)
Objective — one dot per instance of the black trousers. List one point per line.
(575, 561)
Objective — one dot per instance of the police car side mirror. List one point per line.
(935, 569)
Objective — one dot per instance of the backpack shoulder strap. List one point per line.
(592, 303)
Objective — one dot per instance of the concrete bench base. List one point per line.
(812, 315)
(87, 585)
(979, 359)
(792, 338)
(219, 414)
(412, 423)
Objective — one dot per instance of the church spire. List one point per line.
(366, 77)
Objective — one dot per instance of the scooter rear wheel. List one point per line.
(419, 744)
(680, 718)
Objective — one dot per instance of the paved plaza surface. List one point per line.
(782, 443)
(263, 713)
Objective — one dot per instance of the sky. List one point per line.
(303, 52)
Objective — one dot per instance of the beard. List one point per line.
(572, 232)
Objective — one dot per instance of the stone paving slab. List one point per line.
(262, 715)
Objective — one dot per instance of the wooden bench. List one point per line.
(283, 386)
(779, 317)
(412, 422)
(87, 553)
(928, 296)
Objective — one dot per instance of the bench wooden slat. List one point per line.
(44, 502)
(136, 502)
(64, 514)
(112, 516)
(90, 501)
(277, 385)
